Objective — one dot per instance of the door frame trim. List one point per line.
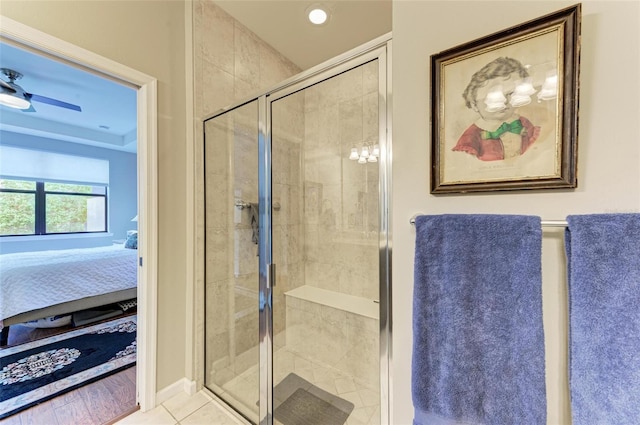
(147, 106)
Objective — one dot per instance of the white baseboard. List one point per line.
(190, 387)
(180, 386)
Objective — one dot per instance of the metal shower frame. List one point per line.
(378, 49)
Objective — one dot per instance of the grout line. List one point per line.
(177, 422)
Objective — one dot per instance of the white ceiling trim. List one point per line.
(21, 123)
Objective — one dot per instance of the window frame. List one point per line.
(40, 195)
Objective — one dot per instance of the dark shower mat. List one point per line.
(306, 404)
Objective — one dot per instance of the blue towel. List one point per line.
(478, 352)
(603, 255)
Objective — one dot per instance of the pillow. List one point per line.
(132, 241)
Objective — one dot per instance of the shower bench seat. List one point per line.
(335, 329)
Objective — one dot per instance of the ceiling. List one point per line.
(284, 25)
(108, 116)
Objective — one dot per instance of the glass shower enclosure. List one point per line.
(297, 270)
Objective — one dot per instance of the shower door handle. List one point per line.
(271, 275)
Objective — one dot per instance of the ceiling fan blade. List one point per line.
(54, 102)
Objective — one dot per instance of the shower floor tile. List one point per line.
(365, 399)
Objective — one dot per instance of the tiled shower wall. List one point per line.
(341, 201)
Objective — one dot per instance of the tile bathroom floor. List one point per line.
(201, 408)
(183, 409)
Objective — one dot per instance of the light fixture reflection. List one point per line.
(366, 153)
(522, 94)
(549, 88)
(495, 100)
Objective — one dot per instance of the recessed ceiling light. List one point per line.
(317, 14)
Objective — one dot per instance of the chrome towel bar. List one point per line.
(543, 223)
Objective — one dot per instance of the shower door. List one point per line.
(298, 178)
(231, 249)
(325, 146)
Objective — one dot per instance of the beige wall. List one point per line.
(608, 166)
(147, 36)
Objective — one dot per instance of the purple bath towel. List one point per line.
(478, 352)
(603, 256)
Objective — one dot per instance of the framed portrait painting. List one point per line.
(504, 108)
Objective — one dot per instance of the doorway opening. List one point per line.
(30, 40)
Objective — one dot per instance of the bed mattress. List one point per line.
(37, 280)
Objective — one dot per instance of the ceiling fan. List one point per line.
(14, 96)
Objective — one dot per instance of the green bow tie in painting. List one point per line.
(514, 127)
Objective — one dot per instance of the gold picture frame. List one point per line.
(504, 109)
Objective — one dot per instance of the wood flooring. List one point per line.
(98, 403)
(101, 402)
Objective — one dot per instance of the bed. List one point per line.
(35, 285)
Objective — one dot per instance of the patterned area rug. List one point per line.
(37, 371)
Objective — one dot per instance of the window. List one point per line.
(42, 208)
(44, 193)
(17, 207)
